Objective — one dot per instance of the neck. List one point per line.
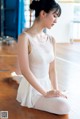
(36, 28)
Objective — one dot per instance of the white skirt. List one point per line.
(27, 95)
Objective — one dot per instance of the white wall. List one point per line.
(61, 30)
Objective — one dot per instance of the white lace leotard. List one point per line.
(39, 60)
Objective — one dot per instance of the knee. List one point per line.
(63, 107)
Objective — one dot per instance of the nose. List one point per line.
(55, 20)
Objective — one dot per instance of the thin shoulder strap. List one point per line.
(29, 42)
(27, 35)
(29, 38)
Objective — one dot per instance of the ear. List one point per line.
(43, 14)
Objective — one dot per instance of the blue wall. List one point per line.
(13, 17)
(21, 19)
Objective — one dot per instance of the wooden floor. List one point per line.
(68, 72)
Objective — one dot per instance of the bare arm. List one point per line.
(24, 63)
(53, 77)
(52, 71)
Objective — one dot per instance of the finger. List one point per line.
(64, 96)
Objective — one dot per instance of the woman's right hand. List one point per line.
(54, 93)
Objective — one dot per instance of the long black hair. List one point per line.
(46, 5)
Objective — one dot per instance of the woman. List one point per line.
(38, 87)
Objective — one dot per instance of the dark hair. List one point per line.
(46, 5)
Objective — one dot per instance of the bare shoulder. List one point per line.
(22, 38)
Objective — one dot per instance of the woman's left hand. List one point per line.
(60, 94)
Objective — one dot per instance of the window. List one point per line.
(29, 15)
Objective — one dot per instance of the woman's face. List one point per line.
(50, 19)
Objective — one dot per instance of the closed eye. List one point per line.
(55, 15)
